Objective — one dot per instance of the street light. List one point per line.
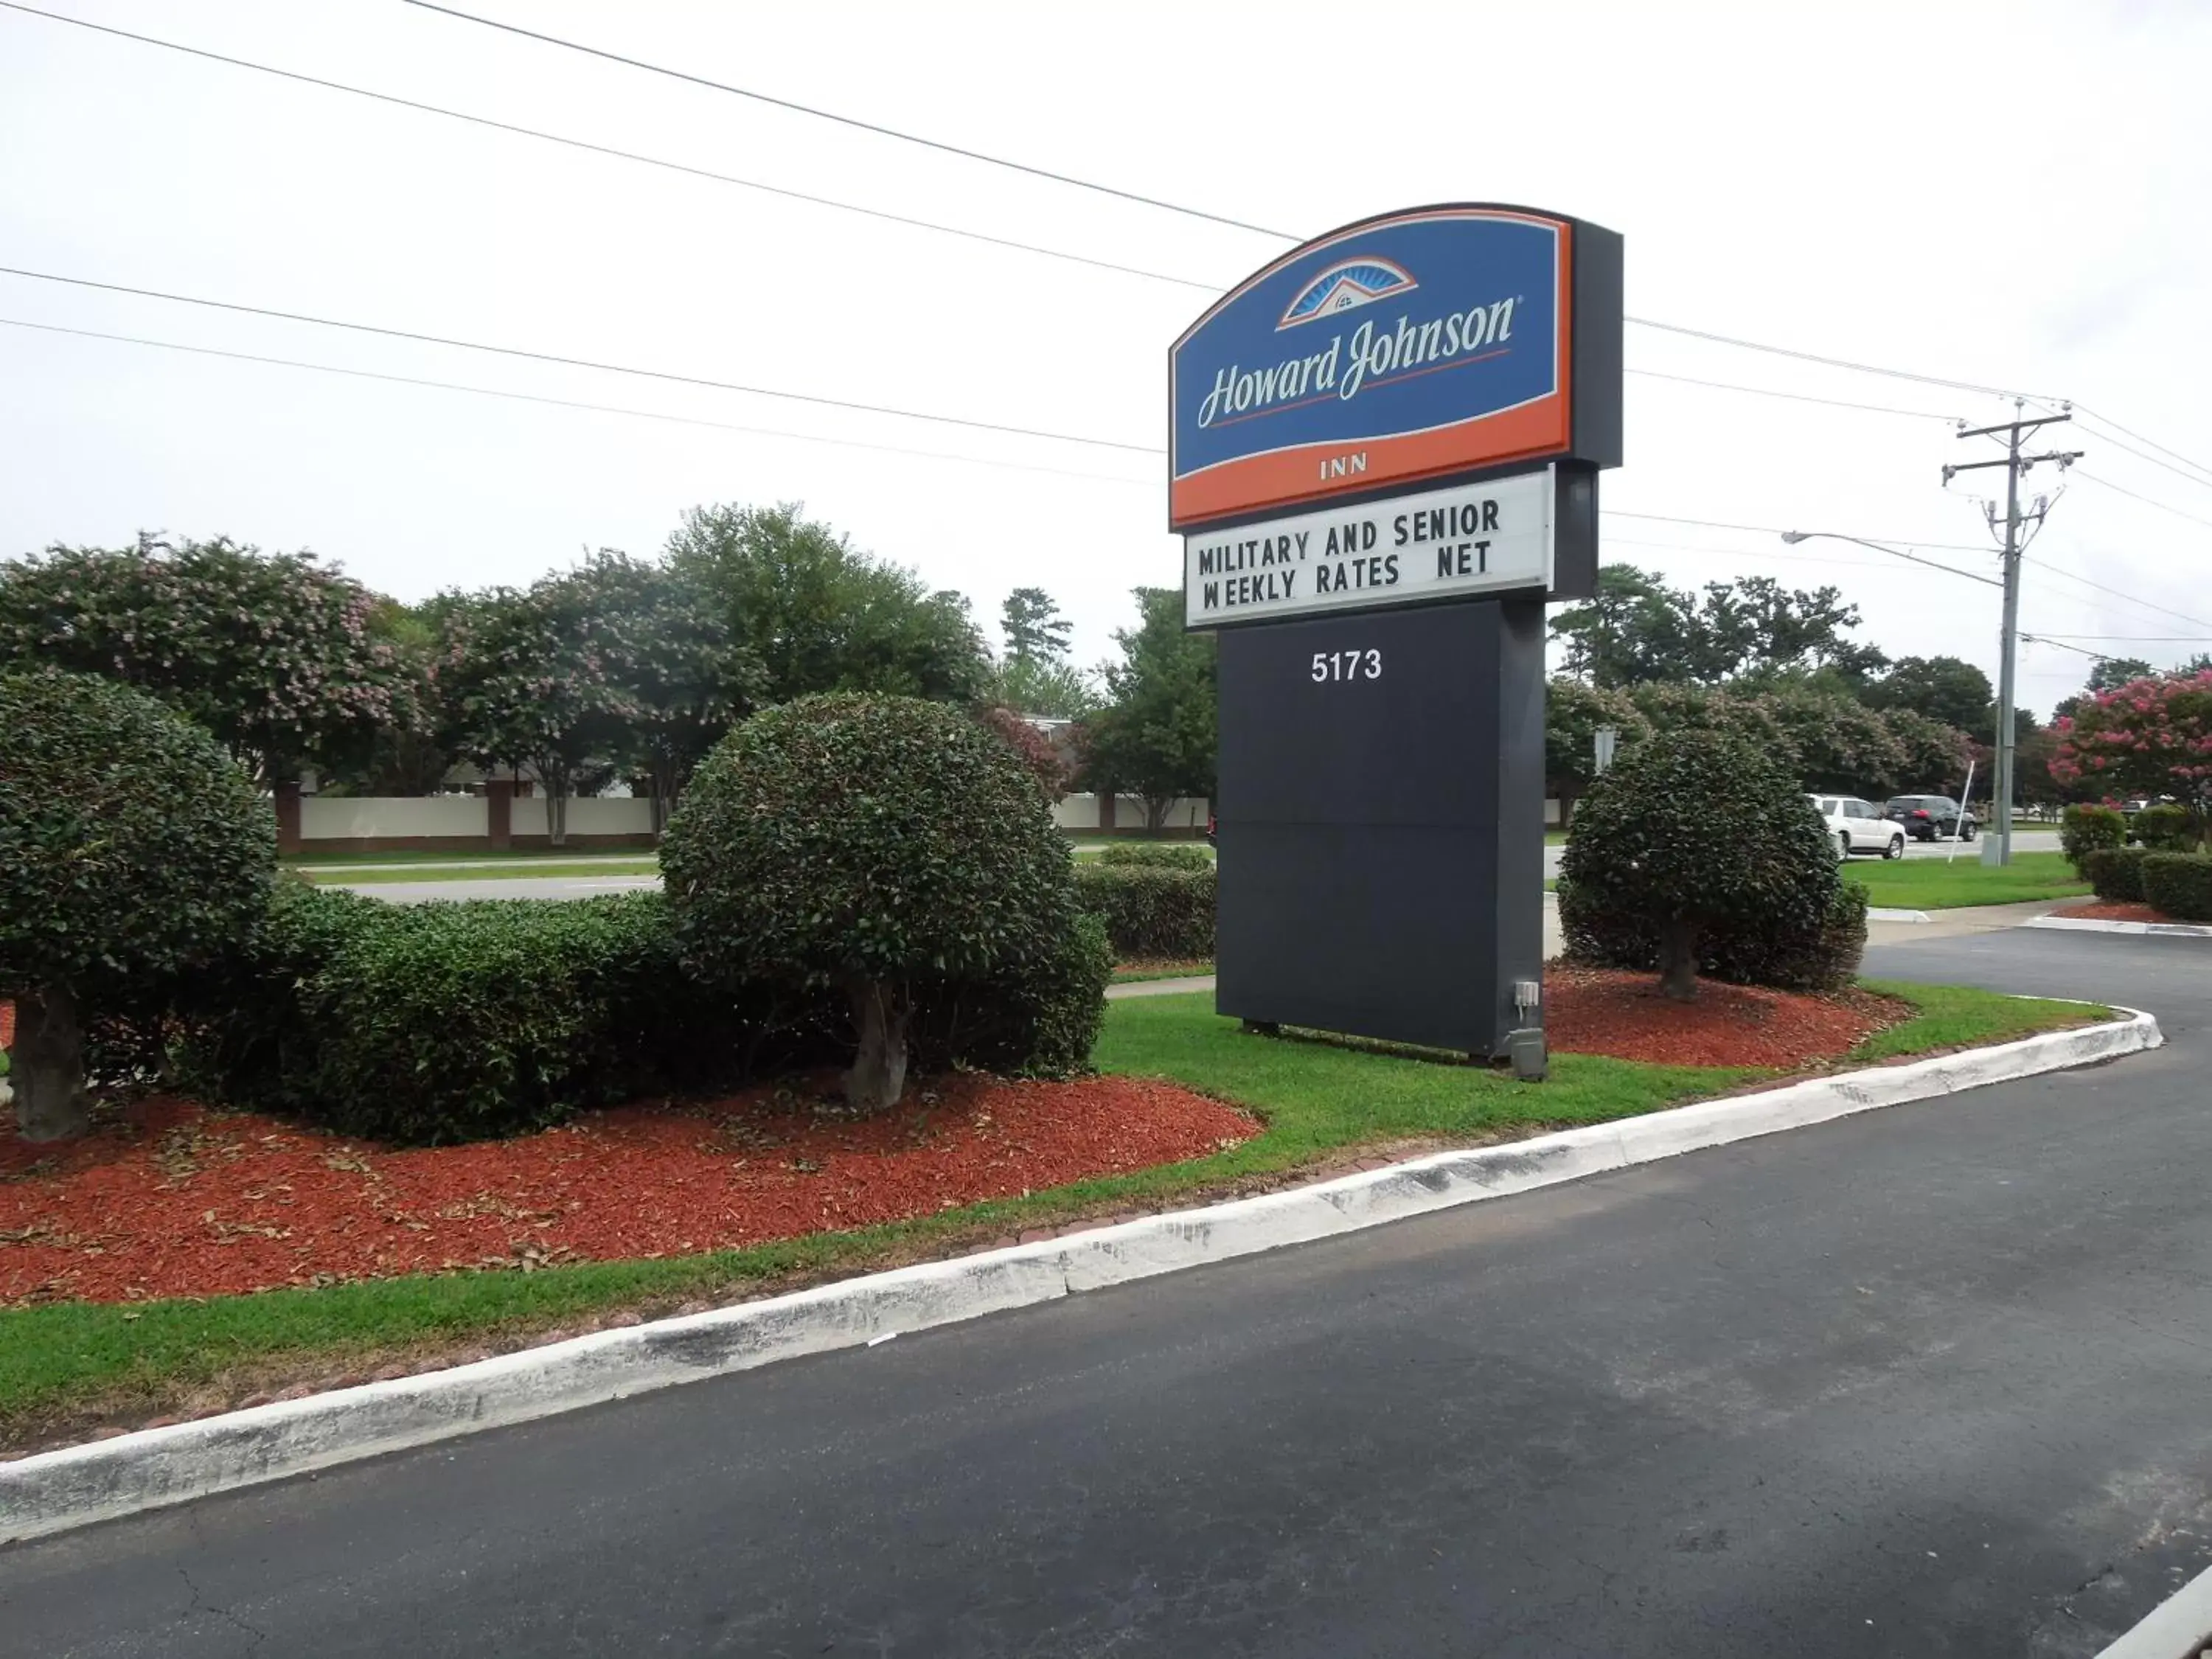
(1793, 536)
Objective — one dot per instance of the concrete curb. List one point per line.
(2177, 1628)
(53, 1491)
(2085, 924)
(1876, 913)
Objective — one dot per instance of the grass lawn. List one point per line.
(311, 860)
(1144, 968)
(1932, 884)
(71, 1365)
(632, 865)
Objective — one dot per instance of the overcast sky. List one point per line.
(2008, 194)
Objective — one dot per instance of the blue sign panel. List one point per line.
(1406, 348)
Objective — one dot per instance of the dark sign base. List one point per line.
(1381, 814)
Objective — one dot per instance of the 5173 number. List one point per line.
(1347, 665)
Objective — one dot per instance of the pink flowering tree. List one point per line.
(277, 655)
(536, 676)
(2151, 736)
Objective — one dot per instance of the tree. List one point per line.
(1036, 632)
(276, 655)
(1933, 756)
(819, 615)
(538, 678)
(1758, 626)
(1635, 631)
(1037, 686)
(681, 679)
(132, 849)
(1046, 761)
(1837, 743)
(1155, 736)
(1573, 712)
(1946, 688)
(1647, 876)
(2150, 737)
(870, 845)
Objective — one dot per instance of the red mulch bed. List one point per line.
(2102, 912)
(174, 1200)
(1603, 1011)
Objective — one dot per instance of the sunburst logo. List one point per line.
(1344, 287)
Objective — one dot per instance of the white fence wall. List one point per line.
(591, 815)
(1081, 812)
(339, 818)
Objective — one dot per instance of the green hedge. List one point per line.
(438, 1022)
(432, 1023)
(2115, 873)
(2083, 830)
(2165, 829)
(1151, 912)
(2180, 884)
(1155, 855)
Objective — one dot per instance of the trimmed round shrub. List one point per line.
(2115, 874)
(132, 851)
(1152, 912)
(1154, 855)
(870, 846)
(1703, 853)
(2180, 884)
(2166, 827)
(2082, 829)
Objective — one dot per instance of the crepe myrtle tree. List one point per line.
(2151, 736)
(281, 657)
(132, 849)
(864, 844)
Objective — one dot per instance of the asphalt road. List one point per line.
(1928, 1382)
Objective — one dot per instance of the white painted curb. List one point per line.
(1877, 913)
(2178, 1627)
(2085, 924)
(53, 1491)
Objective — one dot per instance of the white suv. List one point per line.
(1857, 826)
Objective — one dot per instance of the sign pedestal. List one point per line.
(1381, 804)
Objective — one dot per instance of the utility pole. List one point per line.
(1996, 845)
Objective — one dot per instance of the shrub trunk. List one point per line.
(1678, 960)
(48, 1067)
(877, 1077)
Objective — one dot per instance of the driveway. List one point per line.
(1929, 1381)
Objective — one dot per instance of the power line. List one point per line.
(1769, 391)
(1147, 201)
(854, 121)
(2107, 484)
(572, 403)
(2145, 455)
(614, 152)
(1776, 530)
(2138, 639)
(609, 150)
(2106, 420)
(582, 362)
(2068, 575)
(1803, 356)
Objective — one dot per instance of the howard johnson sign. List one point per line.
(1412, 347)
(1384, 450)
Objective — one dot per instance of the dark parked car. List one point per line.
(1931, 817)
